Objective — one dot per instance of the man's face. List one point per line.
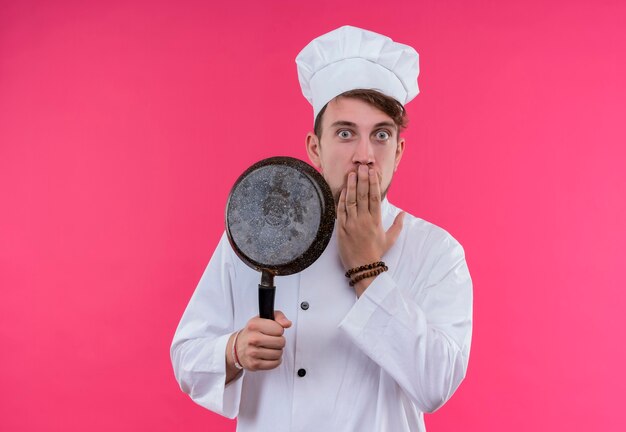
(355, 133)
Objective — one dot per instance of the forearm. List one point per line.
(427, 360)
(200, 370)
(201, 339)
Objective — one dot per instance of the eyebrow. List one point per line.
(388, 124)
(343, 123)
(353, 125)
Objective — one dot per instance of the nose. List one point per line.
(363, 153)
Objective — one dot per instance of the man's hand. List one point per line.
(259, 345)
(361, 236)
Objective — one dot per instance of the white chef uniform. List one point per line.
(375, 363)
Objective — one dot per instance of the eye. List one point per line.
(344, 134)
(383, 135)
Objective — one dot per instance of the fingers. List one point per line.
(363, 190)
(260, 344)
(351, 200)
(394, 230)
(265, 326)
(374, 195)
(358, 192)
(264, 341)
(281, 319)
(255, 364)
(265, 354)
(341, 208)
(259, 358)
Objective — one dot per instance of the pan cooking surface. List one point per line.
(274, 214)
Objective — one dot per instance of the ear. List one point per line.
(313, 149)
(399, 153)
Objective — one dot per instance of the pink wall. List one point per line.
(124, 124)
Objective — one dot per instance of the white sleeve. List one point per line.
(199, 345)
(420, 336)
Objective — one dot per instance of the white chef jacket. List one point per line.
(374, 363)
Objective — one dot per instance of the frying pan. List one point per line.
(280, 216)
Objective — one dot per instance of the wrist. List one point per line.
(362, 285)
(361, 277)
(234, 355)
(231, 369)
(353, 271)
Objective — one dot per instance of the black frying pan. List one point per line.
(279, 219)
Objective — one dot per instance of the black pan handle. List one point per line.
(266, 295)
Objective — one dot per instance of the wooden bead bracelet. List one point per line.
(374, 270)
(364, 267)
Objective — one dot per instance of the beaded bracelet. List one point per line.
(364, 267)
(369, 274)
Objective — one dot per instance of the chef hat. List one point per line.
(351, 58)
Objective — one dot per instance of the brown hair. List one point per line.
(386, 104)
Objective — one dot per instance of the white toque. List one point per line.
(352, 58)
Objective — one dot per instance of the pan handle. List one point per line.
(266, 295)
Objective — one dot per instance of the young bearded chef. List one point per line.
(369, 352)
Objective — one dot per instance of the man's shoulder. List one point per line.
(417, 224)
(420, 230)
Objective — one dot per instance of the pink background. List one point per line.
(123, 125)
